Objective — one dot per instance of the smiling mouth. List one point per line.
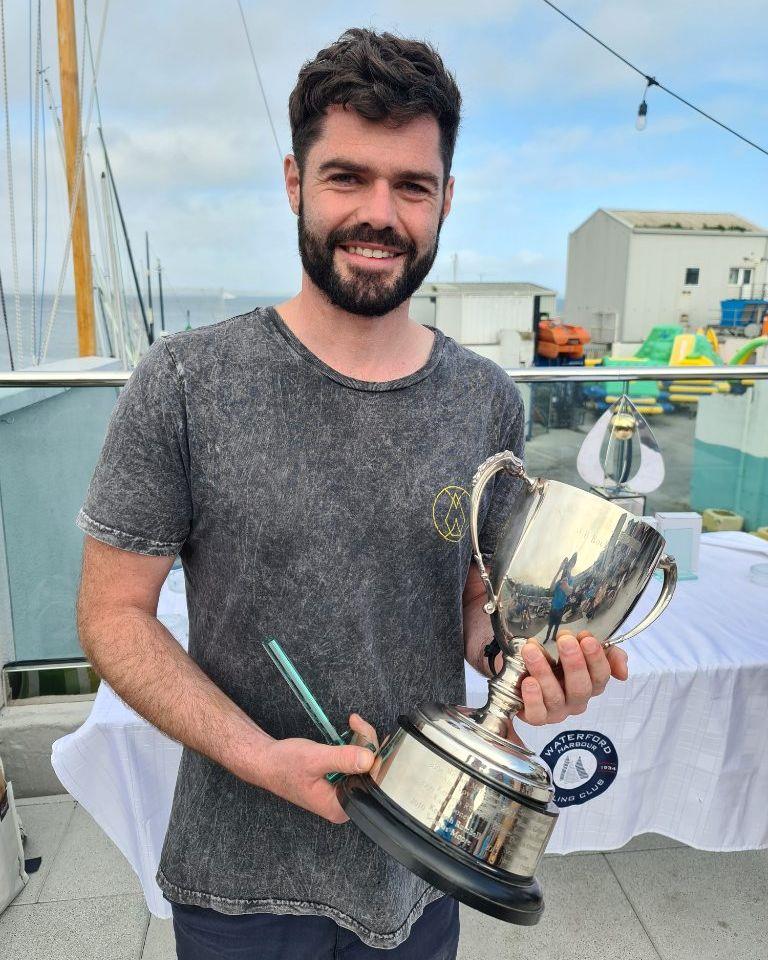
(371, 253)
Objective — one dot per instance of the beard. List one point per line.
(365, 293)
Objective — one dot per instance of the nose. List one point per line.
(378, 208)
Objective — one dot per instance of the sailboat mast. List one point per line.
(81, 244)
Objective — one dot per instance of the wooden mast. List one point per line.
(81, 243)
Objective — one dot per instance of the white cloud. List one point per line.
(196, 165)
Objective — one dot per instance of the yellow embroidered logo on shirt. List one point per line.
(450, 513)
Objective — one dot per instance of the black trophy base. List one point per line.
(492, 891)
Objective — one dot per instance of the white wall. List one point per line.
(595, 283)
(484, 317)
(423, 310)
(475, 317)
(656, 289)
(448, 315)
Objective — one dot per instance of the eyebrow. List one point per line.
(339, 163)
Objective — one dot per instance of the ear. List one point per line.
(448, 197)
(292, 182)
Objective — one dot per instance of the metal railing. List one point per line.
(118, 378)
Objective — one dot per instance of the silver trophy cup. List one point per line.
(450, 797)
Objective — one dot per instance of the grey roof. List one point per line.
(491, 289)
(684, 220)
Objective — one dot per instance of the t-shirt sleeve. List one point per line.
(503, 489)
(139, 497)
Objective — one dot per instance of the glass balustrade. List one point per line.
(712, 434)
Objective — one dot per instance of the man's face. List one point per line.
(371, 203)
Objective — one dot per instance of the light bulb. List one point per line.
(642, 113)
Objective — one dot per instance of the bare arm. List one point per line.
(143, 663)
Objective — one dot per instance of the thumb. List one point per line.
(347, 760)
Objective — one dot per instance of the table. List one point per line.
(680, 749)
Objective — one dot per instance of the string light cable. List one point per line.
(653, 82)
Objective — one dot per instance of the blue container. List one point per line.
(732, 311)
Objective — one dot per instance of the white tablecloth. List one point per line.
(679, 749)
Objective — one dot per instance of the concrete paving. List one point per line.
(655, 899)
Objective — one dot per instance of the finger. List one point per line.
(576, 678)
(364, 733)
(349, 759)
(511, 733)
(617, 660)
(534, 710)
(329, 806)
(552, 693)
(596, 660)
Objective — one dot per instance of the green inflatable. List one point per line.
(746, 351)
(657, 347)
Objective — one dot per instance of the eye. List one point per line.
(343, 178)
(411, 187)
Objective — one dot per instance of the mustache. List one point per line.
(365, 234)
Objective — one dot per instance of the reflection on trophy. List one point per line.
(620, 457)
(448, 795)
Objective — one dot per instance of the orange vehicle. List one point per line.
(561, 341)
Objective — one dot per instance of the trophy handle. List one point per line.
(505, 460)
(669, 569)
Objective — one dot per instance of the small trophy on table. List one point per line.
(620, 457)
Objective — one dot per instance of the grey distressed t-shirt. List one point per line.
(332, 514)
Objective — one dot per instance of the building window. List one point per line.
(692, 276)
(740, 275)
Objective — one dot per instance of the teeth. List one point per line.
(375, 254)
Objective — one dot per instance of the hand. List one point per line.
(585, 665)
(296, 769)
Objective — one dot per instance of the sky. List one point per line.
(548, 132)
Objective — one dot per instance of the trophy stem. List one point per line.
(504, 699)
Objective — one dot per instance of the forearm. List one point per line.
(153, 674)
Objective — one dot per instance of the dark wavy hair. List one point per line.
(382, 77)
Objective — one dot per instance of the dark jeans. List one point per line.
(203, 934)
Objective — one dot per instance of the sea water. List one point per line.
(197, 308)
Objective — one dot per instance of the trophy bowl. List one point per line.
(448, 796)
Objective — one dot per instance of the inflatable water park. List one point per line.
(671, 346)
(729, 478)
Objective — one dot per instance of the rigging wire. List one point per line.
(11, 204)
(35, 171)
(126, 237)
(82, 58)
(261, 85)
(653, 82)
(93, 66)
(30, 98)
(79, 163)
(56, 121)
(5, 321)
(45, 204)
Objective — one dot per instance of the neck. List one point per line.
(376, 349)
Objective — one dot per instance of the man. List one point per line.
(310, 464)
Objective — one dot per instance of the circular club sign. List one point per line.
(584, 763)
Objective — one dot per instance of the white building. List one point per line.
(493, 319)
(629, 270)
